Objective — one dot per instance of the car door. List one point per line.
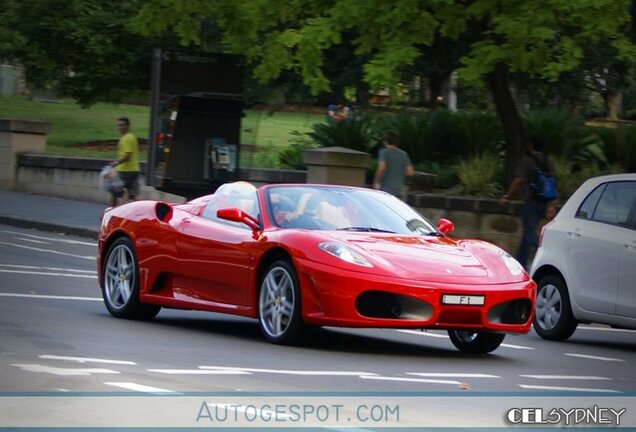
(593, 251)
(215, 260)
(626, 305)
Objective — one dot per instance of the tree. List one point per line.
(542, 38)
(81, 47)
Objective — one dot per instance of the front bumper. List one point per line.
(336, 297)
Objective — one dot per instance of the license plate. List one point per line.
(469, 300)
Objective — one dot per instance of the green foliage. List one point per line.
(446, 172)
(413, 131)
(569, 177)
(292, 156)
(354, 133)
(266, 157)
(441, 133)
(81, 48)
(560, 131)
(477, 175)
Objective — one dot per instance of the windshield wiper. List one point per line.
(365, 229)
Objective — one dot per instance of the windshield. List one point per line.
(341, 208)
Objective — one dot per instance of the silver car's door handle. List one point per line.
(574, 234)
(630, 245)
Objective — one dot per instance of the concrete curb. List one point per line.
(46, 226)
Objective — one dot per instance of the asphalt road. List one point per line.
(57, 336)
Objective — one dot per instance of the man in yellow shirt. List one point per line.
(127, 163)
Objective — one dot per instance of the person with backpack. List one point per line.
(534, 183)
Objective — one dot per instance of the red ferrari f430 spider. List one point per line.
(299, 255)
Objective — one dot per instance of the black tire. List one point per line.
(279, 304)
(475, 342)
(120, 283)
(553, 318)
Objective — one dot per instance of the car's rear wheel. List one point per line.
(553, 318)
(120, 276)
(475, 342)
(279, 304)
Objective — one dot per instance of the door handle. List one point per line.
(574, 234)
(186, 221)
(630, 245)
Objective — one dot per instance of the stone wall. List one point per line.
(77, 178)
(480, 218)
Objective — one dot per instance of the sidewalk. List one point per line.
(49, 213)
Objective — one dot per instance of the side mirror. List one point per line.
(238, 215)
(445, 226)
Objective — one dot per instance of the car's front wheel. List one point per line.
(475, 342)
(120, 276)
(553, 318)
(279, 304)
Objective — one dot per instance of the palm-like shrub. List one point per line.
(477, 175)
(354, 133)
(560, 131)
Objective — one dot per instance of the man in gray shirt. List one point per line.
(394, 165)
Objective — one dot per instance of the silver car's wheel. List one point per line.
(475, 342)
(279, 303)
(120, 276)
(553, 319)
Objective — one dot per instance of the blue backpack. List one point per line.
(542, 182)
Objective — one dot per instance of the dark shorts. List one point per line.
(131, 183)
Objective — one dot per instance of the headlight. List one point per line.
(345, 253)
(513, 265)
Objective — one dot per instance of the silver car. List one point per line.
(585, 266)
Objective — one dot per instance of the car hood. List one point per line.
(433, 258)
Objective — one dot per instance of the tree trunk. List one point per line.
(612, 102)
(513, 128)
(435, 83)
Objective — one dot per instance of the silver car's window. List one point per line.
(586, 211)
(615, 203)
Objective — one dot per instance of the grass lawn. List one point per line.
(72, 125)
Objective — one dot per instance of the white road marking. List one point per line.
(31, 240)
(290, 372)
(594, 357)
(25, 267)
(139, 387)
(49, 274)
(414, 380)
(573, 389)
(61, 240)
(86, 359)
(519, 347)
(567, 377)
(421, 333)
(453, 375)
(49, 251)
(63, 371)
(51, 297)
(436, 335)
(198, 372)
